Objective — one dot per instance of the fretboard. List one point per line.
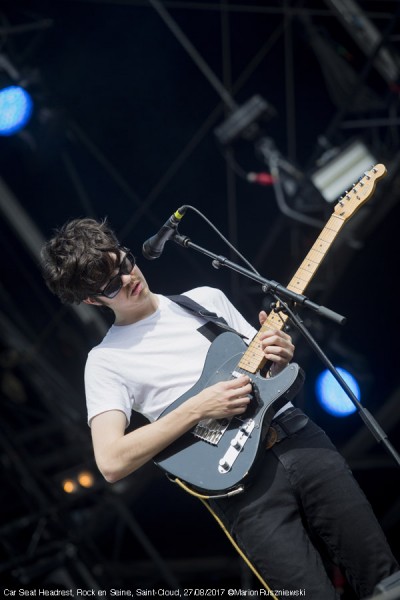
(253, 359)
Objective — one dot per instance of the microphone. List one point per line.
(154, 246)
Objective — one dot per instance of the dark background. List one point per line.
(126, 107)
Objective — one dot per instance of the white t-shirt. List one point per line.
(145, 366)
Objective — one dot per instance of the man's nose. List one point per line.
(126, 279)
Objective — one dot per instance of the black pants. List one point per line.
(305, 503)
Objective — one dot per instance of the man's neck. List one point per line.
(143, 309)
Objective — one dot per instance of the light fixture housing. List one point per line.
(341, 172)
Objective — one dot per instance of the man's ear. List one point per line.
(90, 300)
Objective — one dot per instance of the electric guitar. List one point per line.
(218, 456)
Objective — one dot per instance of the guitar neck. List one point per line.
(253, 359)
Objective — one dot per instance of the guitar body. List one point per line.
(196, 461)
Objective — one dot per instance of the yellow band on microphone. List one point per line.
(178, 216)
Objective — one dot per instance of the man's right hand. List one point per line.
(223, 399)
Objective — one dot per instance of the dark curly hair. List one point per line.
(76, 261)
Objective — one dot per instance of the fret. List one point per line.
(303, 277)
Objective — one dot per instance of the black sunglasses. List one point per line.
(115, 284)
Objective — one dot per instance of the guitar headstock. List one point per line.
(359, 193)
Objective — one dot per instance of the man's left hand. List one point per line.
(276, 345)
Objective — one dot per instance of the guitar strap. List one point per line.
(214, 324)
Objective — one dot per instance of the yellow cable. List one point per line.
(203, 499)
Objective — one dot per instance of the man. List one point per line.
(304, 505)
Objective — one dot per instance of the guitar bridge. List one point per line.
(211, 430)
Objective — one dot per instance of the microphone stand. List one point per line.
(285, 299)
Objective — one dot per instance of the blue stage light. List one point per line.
(332, 397)
(15, 109)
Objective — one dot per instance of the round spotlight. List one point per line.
(332, 397)
(69, 486)
(15, 109)
(86, 479)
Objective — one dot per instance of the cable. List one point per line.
(203, 500)
(231, 246)
(259, 178)
(281, 202)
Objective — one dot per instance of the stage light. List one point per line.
(86, 479)
(77, 480)
(332, 397)
(341, 172)
(244, 121)
(15, 109)
(69, 486)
